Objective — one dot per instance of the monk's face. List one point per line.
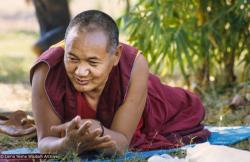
(87, 60)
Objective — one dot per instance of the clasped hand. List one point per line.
(82, 135)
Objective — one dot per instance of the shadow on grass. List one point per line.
(12, 70)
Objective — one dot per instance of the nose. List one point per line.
(82, 70)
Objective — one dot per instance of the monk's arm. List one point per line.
(45, 117)
(128, 115)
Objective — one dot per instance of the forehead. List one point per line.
(91, 35)
(86, 40)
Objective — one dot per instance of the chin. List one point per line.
(82, 89)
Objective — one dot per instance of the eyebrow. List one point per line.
(93, 58)
(72, 54)
(90, 58)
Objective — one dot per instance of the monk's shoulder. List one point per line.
(40, 73)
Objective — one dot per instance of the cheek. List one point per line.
(102, 72)
(97, 72)
(70, 68)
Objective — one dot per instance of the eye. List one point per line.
(72, 59)
(93, 63)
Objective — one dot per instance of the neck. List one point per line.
(93, 97)
(96, 93)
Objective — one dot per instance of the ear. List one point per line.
(117, 54)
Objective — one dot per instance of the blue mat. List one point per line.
(220, 136)
(228, 135)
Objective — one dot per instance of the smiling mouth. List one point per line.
(82, 82)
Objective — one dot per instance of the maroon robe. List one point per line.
(171, 117)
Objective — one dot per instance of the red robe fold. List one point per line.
(171, 117)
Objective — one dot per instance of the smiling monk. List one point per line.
(97, 94)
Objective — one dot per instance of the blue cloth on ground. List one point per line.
(219, 136)
(228, 135)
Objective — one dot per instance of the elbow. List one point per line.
(49, 146)
(42, 149)
(41, 144)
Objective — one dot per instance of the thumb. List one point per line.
(62, 127)
(58, 128)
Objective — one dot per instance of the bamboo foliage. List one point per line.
(203, 37)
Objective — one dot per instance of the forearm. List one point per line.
(53, 145)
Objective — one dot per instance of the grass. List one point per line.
(7, 142)
(244, 145)
(16, 56)
(217, 103)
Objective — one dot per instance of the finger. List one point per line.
(84, 128)
(91, 139)
(99, 140)
(90, 142)
(103, 145)
(72, 124)
(91, 136)
(58, 128)
(62, 127)
(77, 120)
(110, 144)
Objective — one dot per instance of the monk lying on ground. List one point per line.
(95, 93)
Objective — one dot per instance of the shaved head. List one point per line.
(93, 20)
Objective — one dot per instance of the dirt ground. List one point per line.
(18, 31)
